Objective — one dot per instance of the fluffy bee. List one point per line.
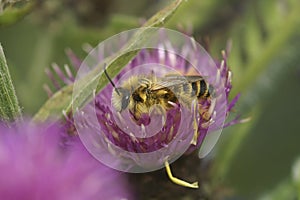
(139, 93)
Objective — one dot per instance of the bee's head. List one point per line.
(121, 98)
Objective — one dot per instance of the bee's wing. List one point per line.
(189, 78)
(174, 80)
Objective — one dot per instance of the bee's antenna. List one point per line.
(112, 83)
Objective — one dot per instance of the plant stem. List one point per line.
(9, 106)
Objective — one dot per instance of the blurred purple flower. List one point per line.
(42, 163)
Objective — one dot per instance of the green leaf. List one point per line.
(270, 50)
(53, 108)
(62, 100)
(13, 14)
(9, 106)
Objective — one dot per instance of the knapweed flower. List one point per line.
(37, 162)
(157, 138)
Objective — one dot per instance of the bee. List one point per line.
(139, 93)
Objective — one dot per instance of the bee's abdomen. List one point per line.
(201, 89)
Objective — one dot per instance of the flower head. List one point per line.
(39, 163)
(147, 142)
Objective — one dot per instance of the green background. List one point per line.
(254, 159)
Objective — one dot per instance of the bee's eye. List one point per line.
(125, 102)
(125, 98)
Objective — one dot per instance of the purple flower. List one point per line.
(180, 132)
(37, 162)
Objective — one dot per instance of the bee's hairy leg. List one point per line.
(195, 124)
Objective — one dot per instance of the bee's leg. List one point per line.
(177, 180)
(208, 112)
(135, 114)
(195, 124)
